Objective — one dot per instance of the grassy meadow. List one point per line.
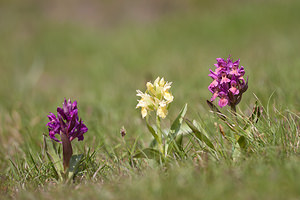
(100, 53)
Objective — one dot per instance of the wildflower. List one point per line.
(157, 97)
(66, 122)
(68, 126)
(228, 83)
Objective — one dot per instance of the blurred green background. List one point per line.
(100, 52)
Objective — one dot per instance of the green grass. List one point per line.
(43, 60)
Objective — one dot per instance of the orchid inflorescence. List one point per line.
(157, 97)
(228, 82)
(67, 122)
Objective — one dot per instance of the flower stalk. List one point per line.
(67, 151)
(159, 134)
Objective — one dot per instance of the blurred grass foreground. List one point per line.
(100, 52)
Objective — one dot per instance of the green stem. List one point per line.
(159, 134)
(233, 109)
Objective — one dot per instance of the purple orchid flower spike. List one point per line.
(228, 82)
(68, 126)
(67, 122)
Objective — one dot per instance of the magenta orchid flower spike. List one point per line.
(228, 82)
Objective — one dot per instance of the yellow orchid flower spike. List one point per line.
(157, 97)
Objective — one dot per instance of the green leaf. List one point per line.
(242, 141)
(54, 147)
(54, 157)
(178, 144)
(74, 164)
(179, 140)
(199, 134)
(148, 153)
(152, 131)
(175, 127)
(175, 140)
(153, 143)
(239, 147)
(236, 152)
(57, 170)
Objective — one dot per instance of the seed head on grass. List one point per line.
(228, 82)
(156, 98)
